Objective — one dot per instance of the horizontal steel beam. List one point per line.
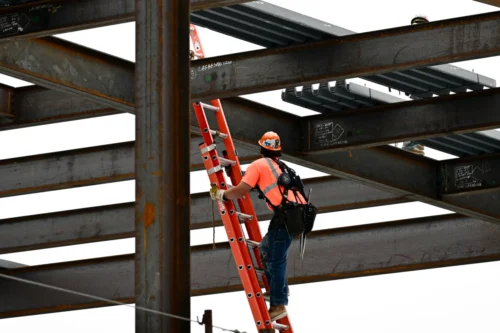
(50, 17)
(346, 57)
(391, 169)
(472, 183)
(117, 221)
(411, 120)
(330, 254)
(470, 174)
(387, 168)
(35, 105)
(61, 65)
(83, 167)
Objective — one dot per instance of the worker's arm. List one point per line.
(237, 191)
(248, 182)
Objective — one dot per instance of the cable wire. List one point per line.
(43, 285)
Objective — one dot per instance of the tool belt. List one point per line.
(295, 217)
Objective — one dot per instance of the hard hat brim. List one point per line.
(268, 148)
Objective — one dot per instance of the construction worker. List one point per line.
(264, 173)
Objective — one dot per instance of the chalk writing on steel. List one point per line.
(328, 134)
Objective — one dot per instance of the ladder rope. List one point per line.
(213, 224)
(103, 299)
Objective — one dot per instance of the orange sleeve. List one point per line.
(251, 176)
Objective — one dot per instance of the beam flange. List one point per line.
(352, 252)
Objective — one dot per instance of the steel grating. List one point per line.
(336, 96)
(270, 26)
(342, 96)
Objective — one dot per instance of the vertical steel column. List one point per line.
(162, 148)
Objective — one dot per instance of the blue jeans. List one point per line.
(274, 253)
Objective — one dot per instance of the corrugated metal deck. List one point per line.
(329, 97)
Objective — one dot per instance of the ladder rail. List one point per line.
(237, 242)
(235, 174)
(249, 271)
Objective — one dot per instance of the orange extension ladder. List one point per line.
(231, 218)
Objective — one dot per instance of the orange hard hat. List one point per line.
(270, 141)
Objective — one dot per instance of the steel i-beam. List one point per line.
(162, 262)
(349, 252)
(51, 17)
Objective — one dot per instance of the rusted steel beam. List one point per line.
(330, 254)
(35, 105)
(387, 168)
(61, 65)
(162, 208)
(473, 183)
(391, 169)
(412, 120)
(358, 55)
(51, 17)
(470, 174)
(117, 221)
(84, 167)
(68, 169)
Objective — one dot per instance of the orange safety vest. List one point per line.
(269, 171)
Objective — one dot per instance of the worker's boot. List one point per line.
(277, 312)
(267, 295)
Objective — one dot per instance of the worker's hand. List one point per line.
(216, 194)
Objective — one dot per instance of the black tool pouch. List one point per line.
(310, 212)
(293, 215)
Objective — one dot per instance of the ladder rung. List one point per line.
(252, 243)
(244, 217)
(208, 148)
(226, 162)
(219, 134)
(209, 107)
(214, 170)
(280, 327)
(260, 271)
